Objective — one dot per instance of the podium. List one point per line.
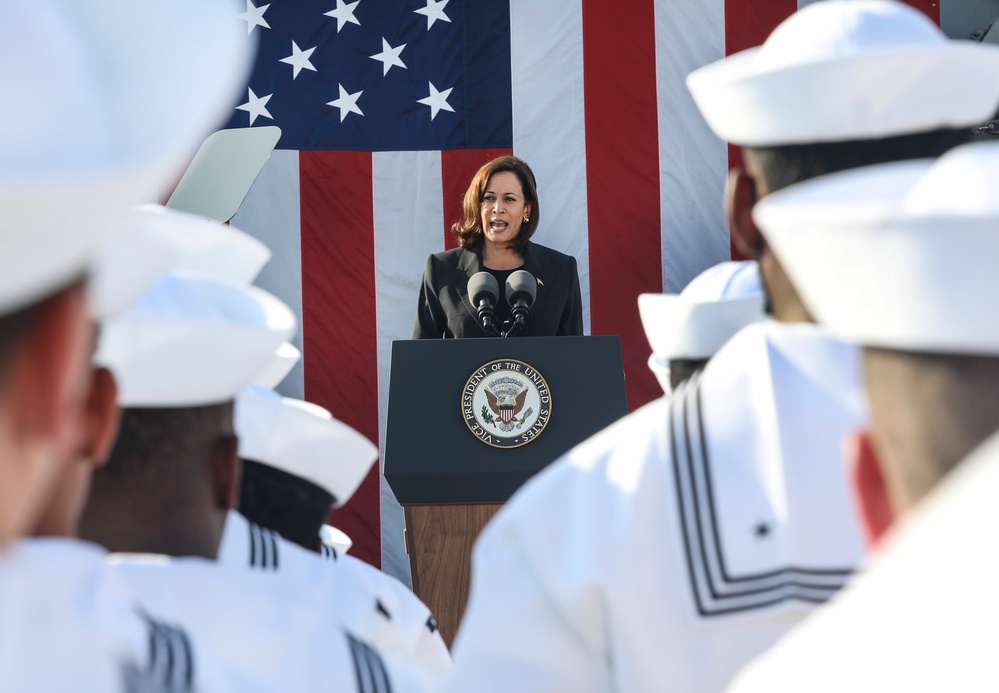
(471, 420)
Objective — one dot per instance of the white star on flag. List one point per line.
(299, 59)
(343, 13)
(437, 100)
(256, 106)
(347, 103)
(389, 57)
(434, 11)
(254, 17)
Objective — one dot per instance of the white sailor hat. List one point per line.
(715, 305)
(206, 246)
(192, 340)
(121, 67)
(898, 255)
(843, 70)
(160, 239)
(304, 440)
(335, 538)
(280, 365)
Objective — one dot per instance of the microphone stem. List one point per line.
(517, 326)
(487, 319)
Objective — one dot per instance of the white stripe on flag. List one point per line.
(272, 213)
(693, 162)
(546, 38)
(408, 215)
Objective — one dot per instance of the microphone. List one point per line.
(521, 290)
(483, 289)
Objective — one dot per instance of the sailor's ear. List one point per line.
(47, 373)
(103, 416)
(226, 472)
(741, 195)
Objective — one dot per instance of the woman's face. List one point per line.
(503, 208)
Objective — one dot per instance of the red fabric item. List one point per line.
(340, 355)
(622, 180)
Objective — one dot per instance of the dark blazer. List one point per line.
(445, 309)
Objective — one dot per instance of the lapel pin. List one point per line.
(541, 282)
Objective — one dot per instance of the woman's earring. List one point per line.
(527, 219)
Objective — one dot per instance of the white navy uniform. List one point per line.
(68, 625)
(920, 617)
(254, 634)
(372, 605)
(668, 550)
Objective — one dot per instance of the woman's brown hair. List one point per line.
(469, 229)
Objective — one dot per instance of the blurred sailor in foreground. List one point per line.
(298, 463)
(723, 514)
(686, 329)
(66, 184)
(921, 301)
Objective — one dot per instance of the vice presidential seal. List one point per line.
(506, 403)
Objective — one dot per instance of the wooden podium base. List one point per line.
(439, 540)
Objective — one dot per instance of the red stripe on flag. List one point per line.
(931, 8)
(747, 24)
(338, 321)
(457, 168)
(622, 177)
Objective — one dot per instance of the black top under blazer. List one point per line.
(445, 309)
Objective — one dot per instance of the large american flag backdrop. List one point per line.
(388, 107)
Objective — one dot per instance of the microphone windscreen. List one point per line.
(483, 285)
(521, 284)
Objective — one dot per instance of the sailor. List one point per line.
(61, 586)
(723, 514)
(66, 184)
(180, 356)
(298, 463)
(157, 240)
(918, 618)
(686, 329)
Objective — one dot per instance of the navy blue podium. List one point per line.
(471, 420)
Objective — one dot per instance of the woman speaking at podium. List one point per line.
(501, 213)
